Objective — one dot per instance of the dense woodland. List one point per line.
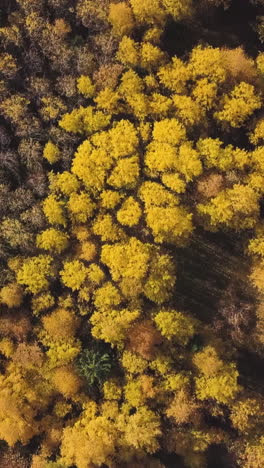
(131, 234)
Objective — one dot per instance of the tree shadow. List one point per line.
(218, 457)
(217, 27)
(205, 269)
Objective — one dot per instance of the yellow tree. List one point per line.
(175, 326)
(89, 441)
(121, 18)
(239, 105)
(236, 208)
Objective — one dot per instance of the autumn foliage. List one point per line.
(127, 173)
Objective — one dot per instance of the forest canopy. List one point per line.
(132, 234)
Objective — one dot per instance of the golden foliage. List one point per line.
(60, 324)
(246, 414)
(165, 219)
(53, 240)
(125, 174)
(11, 295)
(128, 52)
(179, 9)
(258, 134)
(260, 63)
(175, 75)
(135, 169)
(8, 66)
(89, 441)
(66, 381)
(42, 302)
(88, 251)
(208, 361)
(110, 199)
(223, 386)
(175, 326)
(112, 325)
(133, 362)
(236, 207)
(80, 207)
(257, 276)
(121, 18)
(84, 120)
(35, 272)
(85, 86)
(139, 390)
(207, 63)
(169, 131)
(106, 227)
(129, 213)
(108, 100)
(142, 429)
(239, 105)
(7, 347)
(150, 11)
(182, 408)
(65, 182)
(126, 260)
(177, 382)
(53, 210)
(239, 65)
(51, 152)
(161, 279)
(254, 454)
(188, 109)
(112, 391)
(73, 274)
(52, 108)
(106, 297)
(205, 93)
